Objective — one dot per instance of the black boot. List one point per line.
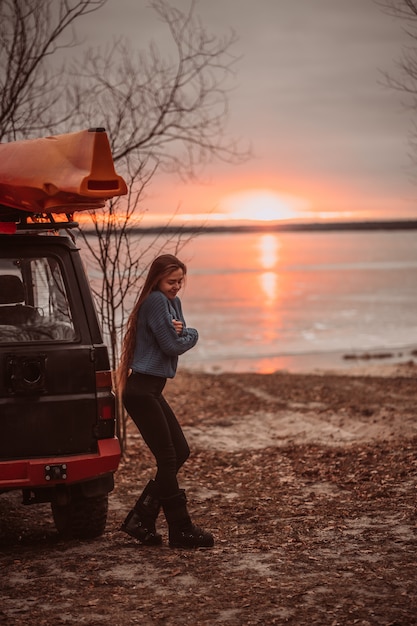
(140, 522)
(182, 532)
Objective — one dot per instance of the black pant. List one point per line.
(159, 428)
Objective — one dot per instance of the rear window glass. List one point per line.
(34, 304)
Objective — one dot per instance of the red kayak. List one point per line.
(58, 174)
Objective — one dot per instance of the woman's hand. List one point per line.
(178, 325)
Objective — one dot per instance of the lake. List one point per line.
(299, 300)
(266, 301)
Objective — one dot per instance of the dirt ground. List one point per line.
(308, 483)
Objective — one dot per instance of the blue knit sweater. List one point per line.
(157, 343)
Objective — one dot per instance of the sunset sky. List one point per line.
(330, 140)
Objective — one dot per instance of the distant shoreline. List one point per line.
(367, 225)
(309, 362)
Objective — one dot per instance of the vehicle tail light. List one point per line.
(106, 406)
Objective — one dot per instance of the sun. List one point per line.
(262, 205)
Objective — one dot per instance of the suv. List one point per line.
(57, 408)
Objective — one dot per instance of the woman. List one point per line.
(156, 335)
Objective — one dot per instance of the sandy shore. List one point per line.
(309, 484)
(333, 407)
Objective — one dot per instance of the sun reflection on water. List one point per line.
(268, 259)
(269, 286)
(268, 249)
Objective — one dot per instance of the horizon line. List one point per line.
(364, 225)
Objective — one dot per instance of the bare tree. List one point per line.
(400, 8)
(162, 113)
(405, 79)
(32, 93)
(122, 258)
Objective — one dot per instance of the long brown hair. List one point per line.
(160, 267)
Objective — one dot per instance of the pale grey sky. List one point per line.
(309, 95)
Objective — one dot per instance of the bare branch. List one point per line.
(405, 80)
(172, 113)
(31, 90)
(161, 112)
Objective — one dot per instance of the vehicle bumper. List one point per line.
(22, 474)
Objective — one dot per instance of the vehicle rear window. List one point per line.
(34, 304)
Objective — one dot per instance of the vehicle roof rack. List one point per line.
(13, 220)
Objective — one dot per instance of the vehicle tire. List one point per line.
(82, 517)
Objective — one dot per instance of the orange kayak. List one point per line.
(59, 174)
